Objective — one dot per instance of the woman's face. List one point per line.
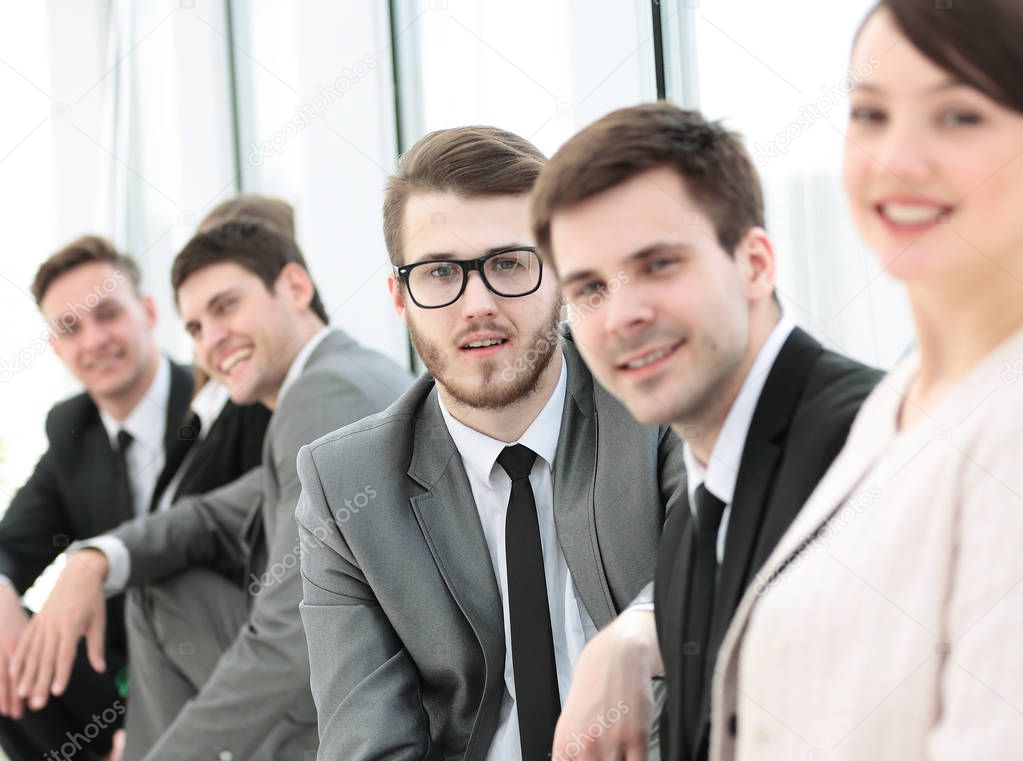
(933, 168)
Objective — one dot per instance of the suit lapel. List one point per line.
(758, 466)
(574, 500)
(447, 514)
(761, 456)
(177, 440)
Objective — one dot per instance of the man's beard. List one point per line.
(497, 386)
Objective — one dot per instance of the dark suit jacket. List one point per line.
(801, 420)
(70, 495)
(400, 602)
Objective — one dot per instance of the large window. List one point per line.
(540, 68)
(316, 127)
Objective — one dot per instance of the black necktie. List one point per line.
(537, 699)
(709, 510)
(122, 479)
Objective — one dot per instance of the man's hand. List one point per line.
(43, 659)
(13, 622)
(117, 751)
(610, 707)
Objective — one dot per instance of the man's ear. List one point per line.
(397, 292)
(755, 253)
(294, 284)
(149, 307)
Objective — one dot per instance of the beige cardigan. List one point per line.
(894, 629)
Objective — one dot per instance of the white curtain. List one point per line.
(166, 136)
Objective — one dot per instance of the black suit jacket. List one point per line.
(70, 494)
(800, 424)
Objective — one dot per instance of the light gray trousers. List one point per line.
(177, 631)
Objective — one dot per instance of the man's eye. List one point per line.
(657, 265)
(441, 271)
(507, 265)
(865, 115)
(588, 289)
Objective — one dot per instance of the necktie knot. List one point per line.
(517, 461)
(709, 510)
(124, 440)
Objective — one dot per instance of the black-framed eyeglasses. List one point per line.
(508, 272)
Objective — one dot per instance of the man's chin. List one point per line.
(108, 388)
(243, 396)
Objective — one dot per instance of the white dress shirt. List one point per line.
(571, 625)
(118, 557)
(721, 472)
(147, 425)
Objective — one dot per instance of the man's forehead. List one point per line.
(444, 223)
(87, 285)
(207, 282)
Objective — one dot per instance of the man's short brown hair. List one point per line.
(273, 212)
(467, 161)
(250, 243)
(712, 162)
(88, 249)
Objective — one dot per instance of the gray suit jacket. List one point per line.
(400, 601)
(249, 524)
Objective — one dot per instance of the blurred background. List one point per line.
(133, 119)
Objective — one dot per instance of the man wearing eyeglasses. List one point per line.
(461, 547)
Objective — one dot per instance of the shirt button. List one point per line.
(225, 755)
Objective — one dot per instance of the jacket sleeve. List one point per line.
(264, 675)
(36, 527)
(671, 471)
(198, 530)
(364, 683)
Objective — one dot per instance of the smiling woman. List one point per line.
(880, 626)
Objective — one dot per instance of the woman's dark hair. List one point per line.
(978, 42)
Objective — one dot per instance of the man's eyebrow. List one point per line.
(211, 302)
(637, 256)
(219, 296)
(448, 256)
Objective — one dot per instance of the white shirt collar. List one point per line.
(147, 423)
(480, 451)
(298, 363)
(723, 469)
(209, 402)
